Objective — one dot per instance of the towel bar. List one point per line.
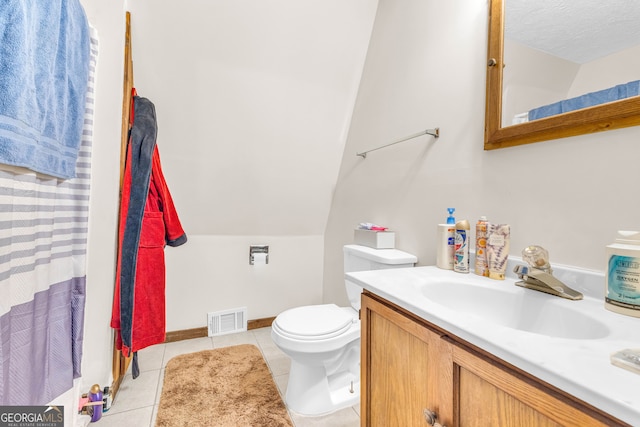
(433, 132)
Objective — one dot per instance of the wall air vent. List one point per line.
(227, 321)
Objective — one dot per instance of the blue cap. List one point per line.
(450, 218)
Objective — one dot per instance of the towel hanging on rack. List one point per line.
(44, 72)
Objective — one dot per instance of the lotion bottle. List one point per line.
(622, 277)
(498, 243)
(446, 242)
(481, 265)
(461, 255)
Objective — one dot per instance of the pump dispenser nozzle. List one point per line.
(450, 218)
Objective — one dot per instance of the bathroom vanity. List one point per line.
(522, 358)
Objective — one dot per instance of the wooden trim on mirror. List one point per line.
(613, 115)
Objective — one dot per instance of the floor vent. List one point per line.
(227, 321)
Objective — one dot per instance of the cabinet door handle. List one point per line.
(431, 417)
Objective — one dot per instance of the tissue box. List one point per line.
(375, 239)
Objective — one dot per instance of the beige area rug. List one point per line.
(230, 386)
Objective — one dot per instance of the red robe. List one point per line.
(159, 226)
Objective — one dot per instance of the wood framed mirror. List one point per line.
(611, 115)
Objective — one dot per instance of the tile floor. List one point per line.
(137, 400)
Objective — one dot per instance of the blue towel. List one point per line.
(545, 111)
(44, 71)
(590, 99)
(630, 89)
(611, 94)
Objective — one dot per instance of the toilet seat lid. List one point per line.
(314, 322)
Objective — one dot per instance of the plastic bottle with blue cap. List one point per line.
(446, 242)
(461, 251)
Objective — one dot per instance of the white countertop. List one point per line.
(580, 367)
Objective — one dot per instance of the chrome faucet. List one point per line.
(539, 276)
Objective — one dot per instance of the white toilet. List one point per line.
(323, 341)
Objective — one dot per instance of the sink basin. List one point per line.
(516, 308)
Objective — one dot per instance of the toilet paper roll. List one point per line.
(259, 259)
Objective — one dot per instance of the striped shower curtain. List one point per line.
(43, 246)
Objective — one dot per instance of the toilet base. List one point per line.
(313, 393)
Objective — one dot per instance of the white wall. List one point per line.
(253, 101)
(226, 280)
(109, 20)
(426, 67)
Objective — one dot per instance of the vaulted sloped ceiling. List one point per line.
(253, 102)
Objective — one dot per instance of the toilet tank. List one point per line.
(363, 258)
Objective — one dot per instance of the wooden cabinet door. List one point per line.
(403, 367)
(408, 367)
(488, 395)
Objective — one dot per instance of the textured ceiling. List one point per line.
(577, 30)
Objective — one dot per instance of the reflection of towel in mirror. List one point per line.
(44, 70)
(587, 100)
(629, 90)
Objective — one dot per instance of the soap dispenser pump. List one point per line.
(450, 218)
(446, 242)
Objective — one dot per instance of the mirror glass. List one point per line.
(560, 68)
